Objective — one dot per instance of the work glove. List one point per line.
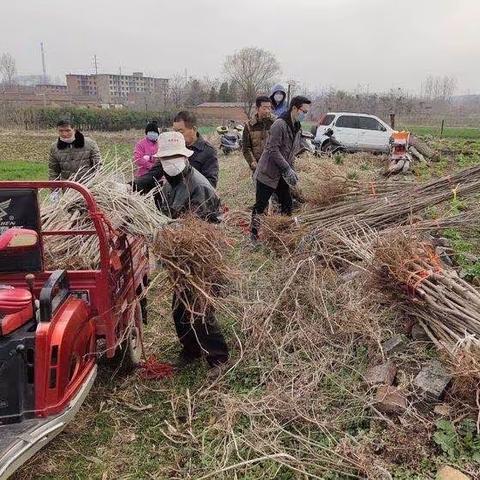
(290, 177)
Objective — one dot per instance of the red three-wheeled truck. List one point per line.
(53, 323)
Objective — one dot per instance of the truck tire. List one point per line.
(129, 353)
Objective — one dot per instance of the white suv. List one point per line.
(357, 132)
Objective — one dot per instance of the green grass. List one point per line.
(449, 132)
(23, 170)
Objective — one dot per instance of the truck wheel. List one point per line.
(129, 353)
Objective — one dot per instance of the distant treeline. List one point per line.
(86, 119)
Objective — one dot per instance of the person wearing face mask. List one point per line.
(72, 153)
(145, 149)
(275, 171)
(187, 191)
(278, 96)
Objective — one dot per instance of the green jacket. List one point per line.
(67, 159)
(255, 135)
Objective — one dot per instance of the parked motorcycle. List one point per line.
(230, 138)
(328, 144)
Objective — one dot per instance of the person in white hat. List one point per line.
(188, 191)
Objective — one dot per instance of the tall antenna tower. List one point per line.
(44, 67)
(95, 64)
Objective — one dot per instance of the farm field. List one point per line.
(324, 423)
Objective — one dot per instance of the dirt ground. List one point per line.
(295, 403)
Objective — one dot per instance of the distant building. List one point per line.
(44, 96)
(48, 88)
(31, 80)
(117, 89)
(221, 112)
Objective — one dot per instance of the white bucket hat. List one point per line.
(171, 144)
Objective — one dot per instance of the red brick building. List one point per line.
(43, 96)
(221, 112)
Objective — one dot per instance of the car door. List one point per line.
(346, 131)
(373, 136)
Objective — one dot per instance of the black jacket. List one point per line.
(205, 160)
(190, 192)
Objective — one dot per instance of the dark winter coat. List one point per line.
(67, 159)
(190, 192)
(205, 160)
(255, 135)
(283, 143)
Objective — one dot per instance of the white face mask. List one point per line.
(68, 140)
(174, 166)
(278, 97)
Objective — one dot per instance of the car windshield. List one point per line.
(326, 120)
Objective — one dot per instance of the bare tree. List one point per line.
(252, 70)
(439, 88)
(177, 93)
(8, 69)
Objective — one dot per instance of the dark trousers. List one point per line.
(148, 181)
(198, 332)
(263, 194)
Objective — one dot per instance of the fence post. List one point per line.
(392, 120)
(442, 127)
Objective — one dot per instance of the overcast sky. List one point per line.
(378, 44)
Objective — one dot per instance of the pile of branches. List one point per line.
(407, 264)
(338, 247)
(124, 211)
(289, 411)
(281, 233)
(387, 205)
(194, 254)
(324, 184)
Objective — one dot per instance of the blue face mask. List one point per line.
(153, 136)
(301, 116)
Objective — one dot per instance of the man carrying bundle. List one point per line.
(188, 191)
(72, 154)
(203, 156)
(275, 171)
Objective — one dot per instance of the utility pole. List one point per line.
(44, 67)
(95, 64)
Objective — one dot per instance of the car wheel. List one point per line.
(328, 147)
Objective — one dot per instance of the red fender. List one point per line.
(64, 356)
